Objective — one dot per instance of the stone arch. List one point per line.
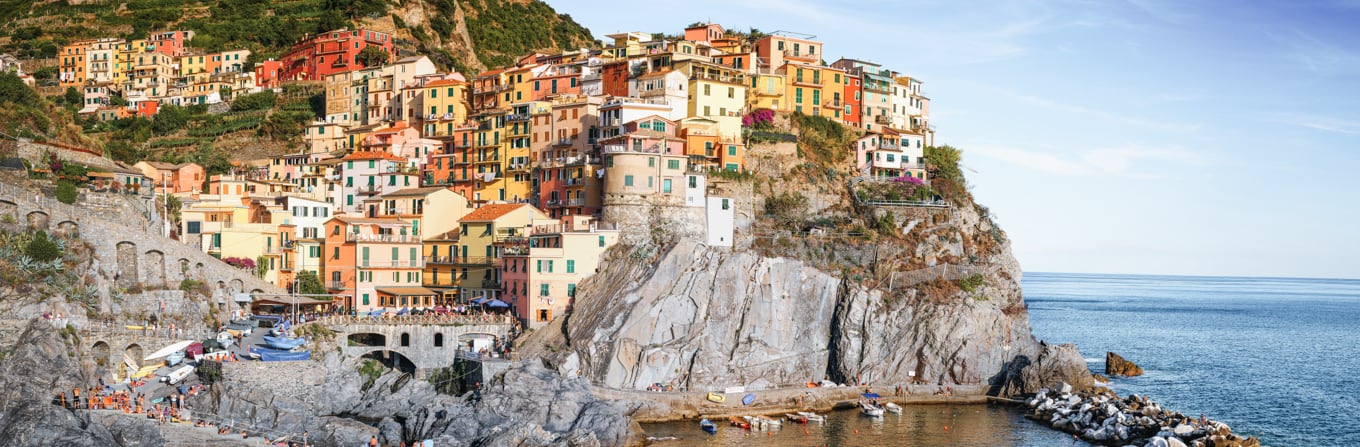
(132, 359)
(38, 219)
(153, 262)
(183, 269)
(100, 352)
(236, 286)
(438, 339)
(405, 339)
(127, 264)
(8, 207)
(367, 339)
(393, 359)
(256, 291)
(68, 227)
(198, 272)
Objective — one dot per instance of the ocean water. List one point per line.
(1278, 358)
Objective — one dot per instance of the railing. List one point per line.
(517, 117)
(368, 237)
(583, 160)
(576, 202)
(369, 190)
(574, 181)
(883, 119)
(889, 146)
(392, 263)
(619, 149)
(800, 55)
(470, 260)
(336, 285)
(815, 81)
(392, 318)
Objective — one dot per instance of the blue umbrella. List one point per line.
(497, 303)
(480, 300)
(871, 395)
(404, 311)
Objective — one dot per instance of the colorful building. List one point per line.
(484, 236)
(540, 276)
(373, 263)
(325, 54)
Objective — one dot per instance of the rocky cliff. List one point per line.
(818, 287)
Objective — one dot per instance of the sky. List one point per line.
(1132, 137)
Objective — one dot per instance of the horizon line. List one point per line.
(1187, 275)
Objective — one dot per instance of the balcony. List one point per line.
(565, 141)
(816, 82)
(581, 161)
(410, 263)
(889, 146)
(491, 283)
(392, 238)
(576, 202)
(574, 181)
(470, 260)
(799, 55)
(336, 285)
(883, 119)
(370, 190)
(621, 149)
(520, 167)
(517, 117)
(494, 157)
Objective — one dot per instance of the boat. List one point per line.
(174, 358)
(768, 422)
(870, 410)
(739, 422)
(796, 418)
(814, 417)
(748, 399)
(893, 408)
(283, 343)
(179, 375)
(277, 355)
(708, 426)
(717, 397)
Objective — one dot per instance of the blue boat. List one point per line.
(276, 355)
(708, 426)
(283, 343)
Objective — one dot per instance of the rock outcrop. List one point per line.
(32, 371)
(1054, 366)
(526, 405)
(1104, 418)
(1118, 366)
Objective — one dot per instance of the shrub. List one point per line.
(787, 206)
(42, 249)
(66, 192)
(255, 101)
(971, 282)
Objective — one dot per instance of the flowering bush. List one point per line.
(241, 263)
(759, 119)
(909, 180)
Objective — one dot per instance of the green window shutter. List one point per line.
(396, 256)
(365, 299)
(550, 267)
(571, 290)
(571, 266)
(540, 266)
(601, 241)
(543, 289)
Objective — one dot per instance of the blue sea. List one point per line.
(1278, 358)
(1272, 357)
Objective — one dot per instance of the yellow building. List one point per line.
(442, 274)
(767, 91)
(717, 93)
(809, 88)
(483, 236)
(627, 44)
(125, 60)
(445, 106)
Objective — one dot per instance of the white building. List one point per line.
(720, 218)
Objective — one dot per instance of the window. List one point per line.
(798, 95)
(651, 162)
(550, 269)
(725, 204)
(601, 241)
(693, 181)
(707, 89)
(365, 299)
(673, 164)
(571, 290)
(731, 92)
(543, 289)
(731, 150)
(627, 180)
(571, 266)
(539, 266)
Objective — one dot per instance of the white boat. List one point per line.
(814, 417)
(179, 374)
(870, 410)
(892, 407)
(762, 421)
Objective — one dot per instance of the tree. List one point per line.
(42, 249)
(73, 96)
(372, 56)
(309, 284)
(255, 101)
(169, 119)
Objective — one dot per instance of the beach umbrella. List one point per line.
(404, 311)
(480, 300)
(497, 303)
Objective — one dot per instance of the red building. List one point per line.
(452, 168)
(614, 77)
(148, 109)
(169, 43)
(853, 114)
(267, 73)
(329, 53)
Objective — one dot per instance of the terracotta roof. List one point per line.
(656, 74)
(369, 220)
(372, 155)
(492, 212)
(444, 82)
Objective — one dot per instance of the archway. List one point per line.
(368, 339)
(100, 352)
(154, 264)
(439, 340)
(236, 286)
(127, 264)
(38, 219)
(394, 360)
(68, 228)
(132, 360)
(405, 339)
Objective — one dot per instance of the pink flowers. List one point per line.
(913, 181)
(242, 263)
(758, 118)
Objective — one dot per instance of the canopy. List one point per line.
(177, 347)
(871, 395)
(497, 303)
(480, 300)
(404, 311)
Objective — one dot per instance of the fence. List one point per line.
(389, 318)
(861, 201)
(946, 272)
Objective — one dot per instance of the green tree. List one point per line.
(66, 192)
(73, 96)
(169, 119)
(14, 91)
(372, 56)
(309, 284)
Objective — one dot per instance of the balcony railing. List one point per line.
(370, 190)
(883, 119)
(413, 263)
(800, 55)
(470, 260)
(517, 117)
(396, 238)
(576, 202)
(889, 146)
(336, 285)
(574, 182)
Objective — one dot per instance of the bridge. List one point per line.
(420, 342)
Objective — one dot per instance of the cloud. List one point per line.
(1126, 161)
(1323, 123)
(1083, 110)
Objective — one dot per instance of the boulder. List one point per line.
(1118, 366)
(1054, 365)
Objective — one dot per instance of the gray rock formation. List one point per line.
(1054, 365)
(33, 369)
(527, 405)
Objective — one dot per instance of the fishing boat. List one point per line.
(179, 375)
(814, 417)
(277, 355)
(870, 410)
(283, 343)
(893, 408)
(708, 426)
(739, 422)
(796, 418)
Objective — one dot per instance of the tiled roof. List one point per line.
(372, 155)
(492, 212)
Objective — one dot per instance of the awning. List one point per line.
(407, 291)
(241, 297)
(497, 303)
(871, 395)
(480, 300)
(177, 347)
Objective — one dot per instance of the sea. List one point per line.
(1277, 358)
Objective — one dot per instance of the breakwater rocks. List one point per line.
(1118, 366)
(1106, 419)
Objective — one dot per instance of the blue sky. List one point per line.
(1141, 136)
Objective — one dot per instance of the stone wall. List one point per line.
(34, 151)
(420, 340)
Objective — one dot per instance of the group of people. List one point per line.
(128, 401)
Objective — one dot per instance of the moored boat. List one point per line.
(174, 358)
(708, 426)
(892, 407)
(284, 343)
(769, 422)
(870, 410)
(739, 422)
(796, 418)
(717, 397)
(814, 417)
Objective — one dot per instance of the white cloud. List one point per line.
(1126, 161)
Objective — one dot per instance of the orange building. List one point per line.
(372, 262)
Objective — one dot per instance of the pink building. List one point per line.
(176, 178)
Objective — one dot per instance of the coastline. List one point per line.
(647, 407)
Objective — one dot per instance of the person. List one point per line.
(373, 441)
